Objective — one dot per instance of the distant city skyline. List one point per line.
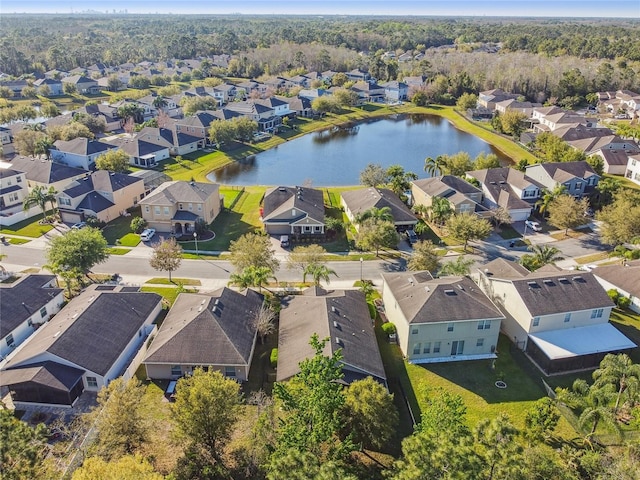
(505, 8)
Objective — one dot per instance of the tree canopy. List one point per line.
(166, 256)
(253, 249)
(73, 254)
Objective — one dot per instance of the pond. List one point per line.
(336, 157)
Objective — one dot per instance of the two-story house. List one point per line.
(508, 188)
(295, 211)
(54, 86)
(13, 191)
(440, 320)
(633, 169)
(103, 195)
(176, 206)
(395, 91)
(83, 85)
(559, 318)
(578, 178)
(369, 92)
(267, 120)
(26, 305)
(462, 196)
(489, 98)
(45, 173)
(80, 152)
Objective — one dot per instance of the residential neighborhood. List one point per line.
(165, 310)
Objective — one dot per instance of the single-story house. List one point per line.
(356, 202)
(624, 278)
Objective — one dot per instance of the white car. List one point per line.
(535, 226)
(147, 234)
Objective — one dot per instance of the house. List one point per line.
(356, 202)
(623, 278)
(578, 178)
(357, 75)
(462, 196)
(179, 143)
(80, 152)
(395, 91)
(508, 188)
(26, 305)
(293, 211)
(560, 319)
(177, 206)
(102, 194)
(54, 86)
(489, 98)
(440, 320)
(415, 81)
(615, 161)
(343, 317)
(213, 331)
(13, 191)
(5, 136)
(298, 106)
(197, 125)
(110, 115)
(265, 115)
(279, 106)
(513, 105)
(94, 339)
(369, 92)
(144, 151)
(83, 85)
(45, 173)
(633, 169)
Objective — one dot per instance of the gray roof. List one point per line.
(214, 329)
(83, 146)
(359, 201)
(308, 202)
(95, 202)
(550, 291)
(45, 171)
(625, 277)
(424, 299)
(51, 374)
(23, 298)
(499, 182)
(341, 315)
(180, 191)
(565, 171)
(91, 331)
(435, 185)
(100, 180)
(501, 268)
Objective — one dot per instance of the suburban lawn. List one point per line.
(118, 231)
(168, 293)
(174, 281)
(628, 322)
(27, 228)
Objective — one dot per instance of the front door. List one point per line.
(457, 347)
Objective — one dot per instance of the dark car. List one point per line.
(411, 237)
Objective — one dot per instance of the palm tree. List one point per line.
(434, 166)
(251, 276)
(439, 210)
(244, 279)
(42, 147)
(38, 196)
(548, 196)
(619, 371)
(544, 254)
(460, 267)
(380, 214)
(318, 272)
(261, 276)
(159, 102)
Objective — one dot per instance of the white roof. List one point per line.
(573, 342)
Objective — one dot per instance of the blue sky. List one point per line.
(542, 8)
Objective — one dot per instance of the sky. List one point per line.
(505, 8)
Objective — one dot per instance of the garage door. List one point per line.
(70, 217)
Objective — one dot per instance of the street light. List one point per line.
(361, 260)
(195, 236)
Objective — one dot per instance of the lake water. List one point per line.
(336, 158)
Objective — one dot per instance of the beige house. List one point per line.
(559, 318)
(440, 320)
(356, 202)
(45, 173)
(176, 206)
(293, 211)
(104, 195)
(462, 196)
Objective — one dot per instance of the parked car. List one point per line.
(147, 234)
(79, 226)
(284, 241)
(589, 212)
(535, 226)
(411, 237)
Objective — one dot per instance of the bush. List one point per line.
(613, 295)
(274, 358)
(389, 328)
(623, 302)
(94, 222)
(138, 224)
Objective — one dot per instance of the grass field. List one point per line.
(174, 281)
(27, 228)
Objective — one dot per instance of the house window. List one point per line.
(19, 179)
(480, 342)
(293, 212)
(92, 382)
(450, 327)
(307, 228)
(190, 207)
(597, 313)
(318, 228)
(567, 317)
(9, 340)
(166, 210)
(484, 324)
(427, 348)
(43, 312)
(199, 207)
(176, 371)
(536, 321)
(230, 372)
(146, 208)
(416, 348)
(414, 331)
(156, 210)
(578, 185)
(180, 206)
(436, 347)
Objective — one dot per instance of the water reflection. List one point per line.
(336, 156)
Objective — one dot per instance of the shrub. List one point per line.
(274, 358)
(389, 328)
(613, 295)
(95, 222)
(138, 224)
(623, 302)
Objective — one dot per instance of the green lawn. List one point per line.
(27, 228)
(168, 293)
(18, 241)
(174, 281)
(119, 230)
(508, 232)
(628, 322)
(118, 251)
(592, 258)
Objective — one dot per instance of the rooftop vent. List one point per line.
(579, 279)
(333, 309)
(337, 326)
(282, 189)
(533, 285)
(461, 287)
(217, 302)
(450, 292)
(548, 282)
(339, 341)
(563, 280)
(215, 310)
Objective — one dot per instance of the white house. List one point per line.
(633, 169)
(623, 278)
